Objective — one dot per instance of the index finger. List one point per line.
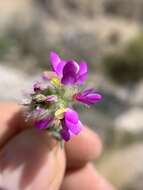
(83, 148)
(11, 121)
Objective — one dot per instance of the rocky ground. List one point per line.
(123, 167)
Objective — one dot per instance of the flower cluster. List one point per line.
(52, 98)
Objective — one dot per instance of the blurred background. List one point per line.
(108, 34)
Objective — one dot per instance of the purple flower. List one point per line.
(43, 123)
(88, 97)
(51, 98)
(37, 87)
(71, 124)
(69, 71)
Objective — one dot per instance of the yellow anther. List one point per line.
(59, 114)
(56, 82)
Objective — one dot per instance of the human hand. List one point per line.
(31, 160)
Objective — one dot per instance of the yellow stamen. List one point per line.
(56, 82)
(59, 114)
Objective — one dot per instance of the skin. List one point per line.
(31, 160)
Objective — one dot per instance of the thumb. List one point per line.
(32, 161)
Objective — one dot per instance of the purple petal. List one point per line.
(88, 97)
(71, 66)
(71, 116)
(65, 134)
(51, 98)
(72, 121)
(37, 86)
(57, 63)
(88, 91)
(82, 74)
(48, 75)
(59, 69)
(70, 71)
(82, 68)
(43, 123)
(55, 60)
(81, 79)
(71, 125)
(45, 76)
(69, 79)
(74, 128)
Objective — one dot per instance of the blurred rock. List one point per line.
(35, 33)
(17, 12)
(99, 122)
(129, 9)
(129, 126)
(131, 121)
(123, 167)
(13, 84)
(67, 8)
(136, 97)
(136, 183)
